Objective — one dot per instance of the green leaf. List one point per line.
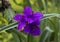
(39, 2)
(9, 13)
(21, 36)
(27, 3)
(17, 3)
(55, 28)
(45, 34)
(50, 16)
(1, 25)
(45, 6)
(10, 26)
(15, 37)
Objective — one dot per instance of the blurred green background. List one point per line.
(45, 7)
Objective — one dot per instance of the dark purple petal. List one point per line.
(17, 17)
(27, 10)
(32, 29)
(38, 15)
(35, 31)
(37, 22)
(27, 29)
(21, 25)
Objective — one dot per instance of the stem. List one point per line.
(30, 38)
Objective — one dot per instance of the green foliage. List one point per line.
(50, 23)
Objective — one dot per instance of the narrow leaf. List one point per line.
(45, 34)
(10, 26)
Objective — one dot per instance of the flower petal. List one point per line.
(17, 17)
(35, 30)
(37, 22)
(30, 20)
(27, 10)
(21, 25)
(38, 15)
(27, 29)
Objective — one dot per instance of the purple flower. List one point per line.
(29, 20)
